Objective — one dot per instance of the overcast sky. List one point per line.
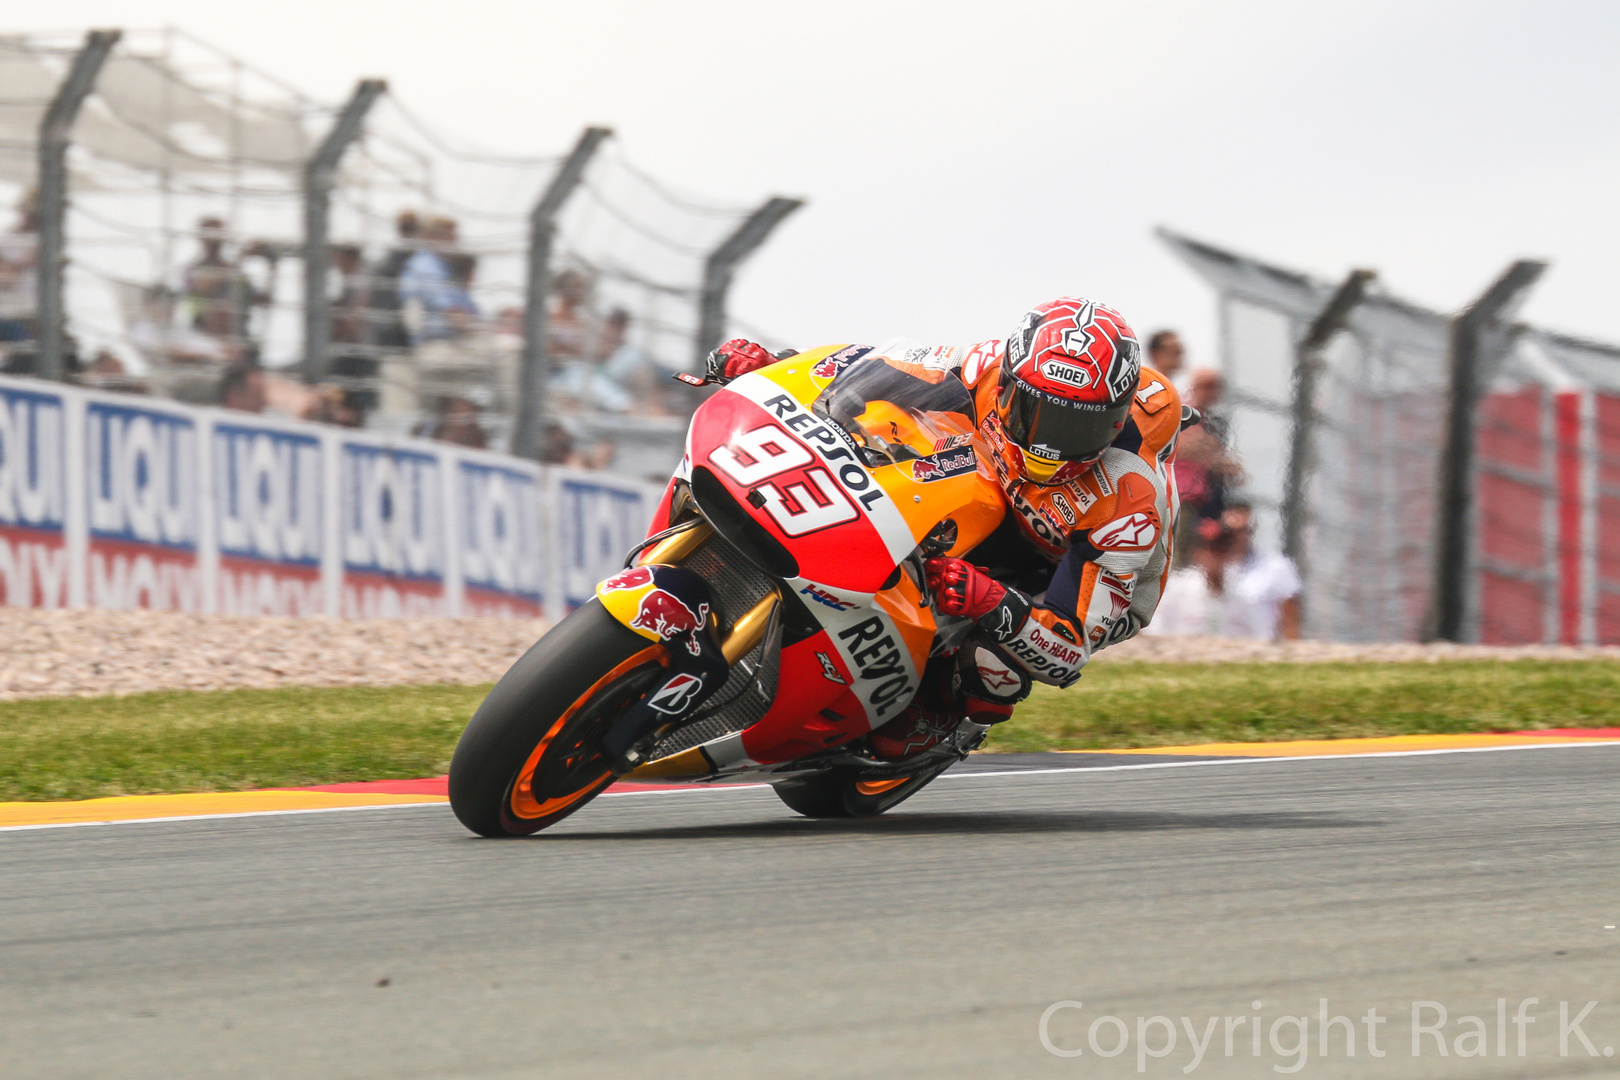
(964, 161)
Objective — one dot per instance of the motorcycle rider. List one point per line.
(1080, 436)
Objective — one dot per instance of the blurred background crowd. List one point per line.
(1368, 469)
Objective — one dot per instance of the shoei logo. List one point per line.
(1133, 531)
(1068, 374)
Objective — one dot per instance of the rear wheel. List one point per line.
(528, 758)
(837, 794)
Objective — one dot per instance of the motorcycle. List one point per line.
(777, 615)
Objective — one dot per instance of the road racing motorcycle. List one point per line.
(778, 614)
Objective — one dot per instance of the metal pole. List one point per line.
(55, 132)
(531, 412)
(319, 173)
(723, 262)
(1308, 365)
(1473, 361)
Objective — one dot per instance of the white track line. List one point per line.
(1077, 770)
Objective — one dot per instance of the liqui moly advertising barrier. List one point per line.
(122, 502)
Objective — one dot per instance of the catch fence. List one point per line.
(382, 273)
(1345, 445)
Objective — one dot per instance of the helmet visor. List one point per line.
(1050, 427)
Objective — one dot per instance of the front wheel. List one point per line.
(529, 756)
(837, 794)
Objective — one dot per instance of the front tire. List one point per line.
(528, 758)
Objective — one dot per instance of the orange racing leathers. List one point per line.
(1085, 560)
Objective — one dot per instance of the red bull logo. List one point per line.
(633, 578)
(939, 466)
(829, 367)
(665, 614)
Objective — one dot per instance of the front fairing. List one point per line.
(847, 498)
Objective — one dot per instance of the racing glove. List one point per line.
(960, 588)
(734, 358)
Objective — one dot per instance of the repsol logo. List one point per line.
(883, 671)
(32, 492)
(267, 494)
(142, 475)
(833, 446)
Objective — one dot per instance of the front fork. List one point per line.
(669, 604)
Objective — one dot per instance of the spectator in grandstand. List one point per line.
(244, 389)
(430, 295)
(218, 296)
(457, 422)
(1232, 589)
(571, 331)
(19, 257)
(600, 456)
(354, 360)
(1166, 354)
(556, 445)
(387, 330)
(1205, 466)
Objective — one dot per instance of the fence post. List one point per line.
(1308, 365)
(529, 430)
(55, 132)
(319, 172)
(1472, 361)
(723, 262)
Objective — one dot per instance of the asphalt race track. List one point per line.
(716, 935)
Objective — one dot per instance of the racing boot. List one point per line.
(917, 729)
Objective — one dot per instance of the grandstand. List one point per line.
(188, 235)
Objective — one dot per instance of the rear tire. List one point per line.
(527, 758)
(837, 794)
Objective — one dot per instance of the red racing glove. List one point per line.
(736, 357)
(960, 588)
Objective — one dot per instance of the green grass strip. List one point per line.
(79, 748)
(1123, 705)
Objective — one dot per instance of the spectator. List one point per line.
(556, 445)
(1205, 466)
(387, 330)
(218, 296)
(457, 422)
(570, 329)
(19, 258)
(1166, 354)
(428, 291)
(600, 456)
(354, 360)
(1232, 589)
(244, 389)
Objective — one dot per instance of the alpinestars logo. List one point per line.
(1135, 531)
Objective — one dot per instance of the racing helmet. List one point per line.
(1068, 376)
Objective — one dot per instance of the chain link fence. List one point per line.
(1362, 425)
(227, 239)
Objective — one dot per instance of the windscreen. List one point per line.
(895, 416)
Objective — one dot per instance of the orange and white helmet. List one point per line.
(1067, 380)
